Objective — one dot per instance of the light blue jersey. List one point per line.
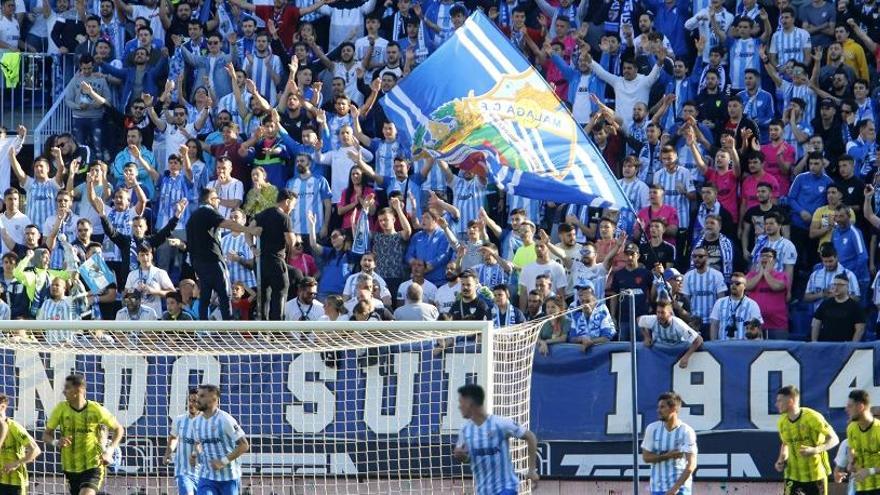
(468, 196)
(489, 451)
(182, 429)
(743, 54)
(40, 199)
(311, 193)
(790, 45)
(238, 272)
(218, 436)
(703, 289)
(659, 440)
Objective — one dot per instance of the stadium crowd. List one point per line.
(232, 160)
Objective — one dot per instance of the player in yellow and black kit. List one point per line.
(17, 449)
(806, 439)
(84, 426)
(863, 436)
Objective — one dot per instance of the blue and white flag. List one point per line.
(478, 94)
(95, 273)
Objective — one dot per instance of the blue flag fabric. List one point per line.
(477, 94)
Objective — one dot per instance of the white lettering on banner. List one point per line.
(761, 413)
(406, 365)
(34, 383)
(852, 376)
(620, 420)
(707, 393)
(457, 368)
(115, 370)
(315, 392)
(183, 367)
(740, 465)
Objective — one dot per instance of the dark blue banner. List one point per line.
(402, 402)
(727, 386)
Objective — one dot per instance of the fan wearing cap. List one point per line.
(592, 324)
(669, 289)
(631, 276)
(132, 309)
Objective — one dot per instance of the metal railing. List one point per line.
(36, 97)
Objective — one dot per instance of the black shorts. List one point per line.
(806, 487)
(10, 490)
(863, 492)
(90, 478)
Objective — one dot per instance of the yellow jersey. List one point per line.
(810, 429)
(865, 445)
(13, 449)
(87, 429)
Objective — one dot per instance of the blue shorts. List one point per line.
(186, 484)
(211, 487)
(507, 492)
(682, 491)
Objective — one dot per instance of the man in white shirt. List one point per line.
(10, 29)
(13, 220)
(305, 306)
(132, 309)
(667, 329)
(152, 282)
(631, 87)
(429, 290)
(543, 265)
(731, 313)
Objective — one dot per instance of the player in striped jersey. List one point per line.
(40, 189)
(789, 42)
(18, 450)
(84, 426)
(806, 439)
(665, 328)
(220, 443)
(483, 441)
(181, 444)
(863, 437)
(239, 256)
(670, 447)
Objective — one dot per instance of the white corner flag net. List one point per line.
(328, 407)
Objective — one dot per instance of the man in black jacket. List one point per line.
(129, 244)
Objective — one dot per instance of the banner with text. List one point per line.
(404, 404)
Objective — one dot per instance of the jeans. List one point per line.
(89, 132)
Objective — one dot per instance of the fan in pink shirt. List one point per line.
(779, 156)
(750, 183)
(656, 209)
(770, 289)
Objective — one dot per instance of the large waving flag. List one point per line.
(478, 94)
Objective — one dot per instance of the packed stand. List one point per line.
(231, 160)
